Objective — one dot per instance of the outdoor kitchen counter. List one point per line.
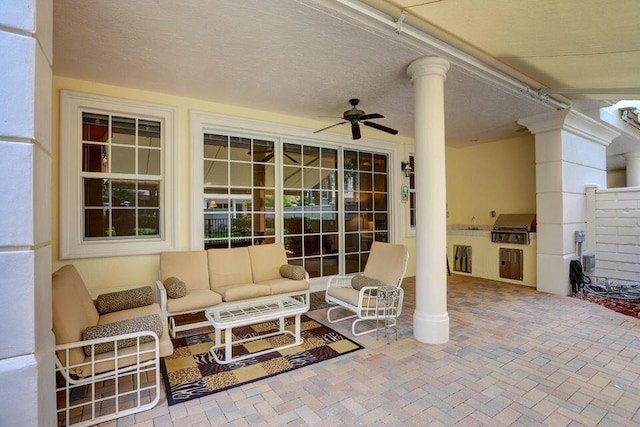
(485, 253)
(466, 230)
(481, 231)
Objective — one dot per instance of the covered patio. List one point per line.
(498, 110)
(515, 357)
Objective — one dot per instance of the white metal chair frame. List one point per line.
(368, 307)
(144, 361)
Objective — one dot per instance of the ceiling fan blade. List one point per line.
(288, 156)
(381, 127)
(329, 127)
(371, 116)
(355, 130)
(269, 150)
(267, 158)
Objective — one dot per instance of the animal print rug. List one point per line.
(191, 372)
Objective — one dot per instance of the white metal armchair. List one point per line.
(107, 360)
(386, 265)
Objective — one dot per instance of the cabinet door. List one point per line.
(462, 258)
(511, 263)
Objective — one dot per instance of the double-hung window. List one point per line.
(116, 177)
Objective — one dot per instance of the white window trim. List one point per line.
(71, 234)
(201, 122)
(409, 231)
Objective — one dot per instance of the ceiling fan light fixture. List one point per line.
(355, 116)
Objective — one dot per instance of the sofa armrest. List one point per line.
(100, 366)
(161, 297)
(122, 366)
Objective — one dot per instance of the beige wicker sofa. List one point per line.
(218, 276)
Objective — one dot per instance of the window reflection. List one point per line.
(366, 204)
(241, 193)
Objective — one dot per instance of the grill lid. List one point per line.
(516, 222)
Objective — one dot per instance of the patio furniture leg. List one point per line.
(228, 345)
(297, 329)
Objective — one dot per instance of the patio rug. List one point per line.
(316, 301)
(191, 372)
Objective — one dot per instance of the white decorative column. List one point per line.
(430, 319)
(633, 169)
(27, 395)
(570, 155)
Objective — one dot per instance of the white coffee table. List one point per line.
(230, 315)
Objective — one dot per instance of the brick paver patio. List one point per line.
(515, 357)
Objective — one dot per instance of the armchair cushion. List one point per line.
(241, 292)
(293, 272)
(175, 287)
(266, 261)
(227, 267)
(194, 300)
(152, 322)
(189, 266)
(124, 300)
(284, 286)
(379, 264)
(359, 281)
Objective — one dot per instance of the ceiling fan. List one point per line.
(355, 116)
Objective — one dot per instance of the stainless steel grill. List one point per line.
(513, 228)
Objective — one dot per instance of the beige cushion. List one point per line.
(266, 261)
(359, 281)
(387, 263)
(293, 272)
(189, 266)
(285, 286)
(350, 296)
(193, 301)
(103, 363)
(151, 322)
(241, 292)
(166, 348)
(229, 267)
(175, 287)
(73, 310)
(124, 300)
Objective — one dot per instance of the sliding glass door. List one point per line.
(326, 204)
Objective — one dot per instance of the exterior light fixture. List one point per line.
(406, 167)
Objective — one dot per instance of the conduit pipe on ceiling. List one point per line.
(459, 53)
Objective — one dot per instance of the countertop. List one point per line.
(480, 231)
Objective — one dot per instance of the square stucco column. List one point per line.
(570, 154)
(27, 395)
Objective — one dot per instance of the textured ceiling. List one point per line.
(580, 44)
(306, 58)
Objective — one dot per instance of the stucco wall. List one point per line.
(496, 176)
(137, 270)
